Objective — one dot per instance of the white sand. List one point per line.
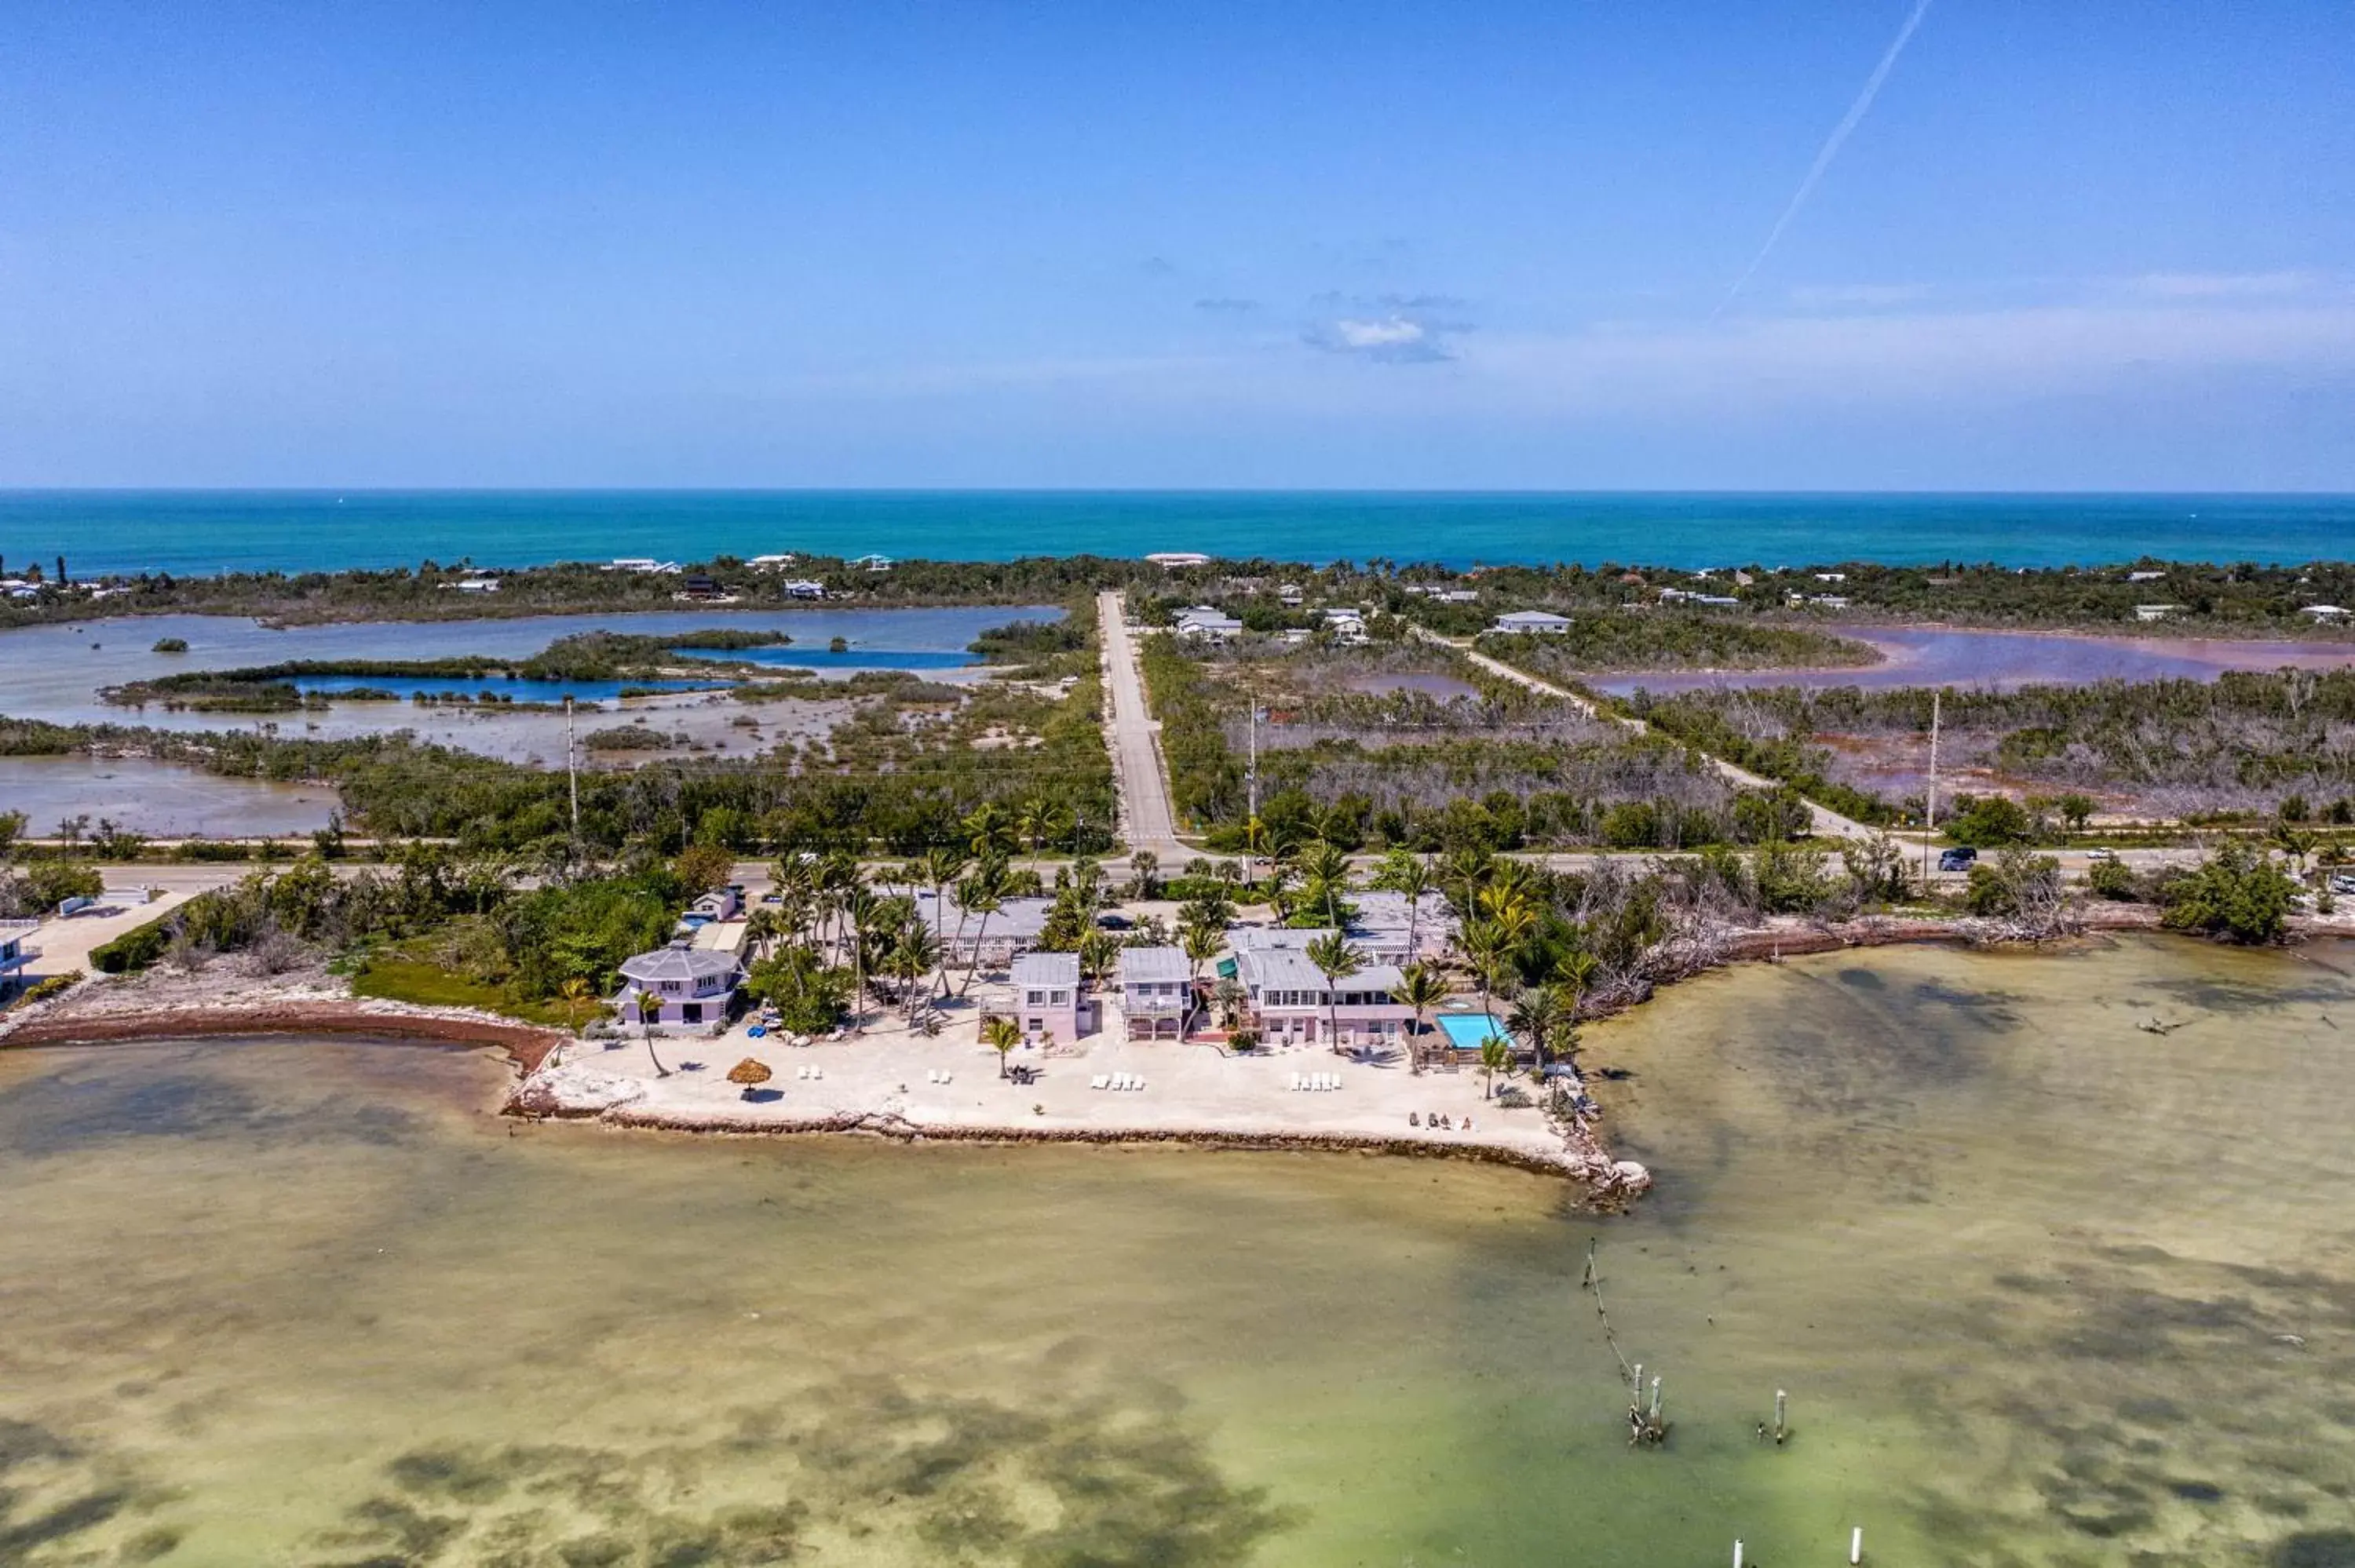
(883, 1082)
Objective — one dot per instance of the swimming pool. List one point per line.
(1466, 1029)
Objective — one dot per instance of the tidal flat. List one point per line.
(2044, 1287)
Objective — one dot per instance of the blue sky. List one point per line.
(2093, 245)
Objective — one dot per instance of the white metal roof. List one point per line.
(1046, 970)
(1152, 966)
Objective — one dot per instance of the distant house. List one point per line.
(1208, 621)
(1830, 600)
(1457, 596)
(1289, 595)
(701, 585)
(874, 563)
(1047, 995)
(1179, 558)
(1831, 577)
(2146, 576)
(1531, 623)
(2154, 611)
(2322, 612)
(801, 587)
(967, 937)
(1347, 626)
(722, 904)
(1689, 595)
(771, 562)
(1290, 1001)
(474, 585)
(693, 985)
(646, 563)
(1156, 984)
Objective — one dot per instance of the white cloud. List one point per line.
(1388, 340)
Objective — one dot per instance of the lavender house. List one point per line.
(694, 985)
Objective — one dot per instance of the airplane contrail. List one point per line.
(1830, 150)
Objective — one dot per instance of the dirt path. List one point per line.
(1826, 822)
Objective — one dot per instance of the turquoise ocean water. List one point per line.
(210, 531)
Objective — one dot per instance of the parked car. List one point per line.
(2101, 854)
(1956, 858)
(2343, 883)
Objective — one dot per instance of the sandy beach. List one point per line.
(900, 1084)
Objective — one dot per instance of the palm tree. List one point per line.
(987, 833)
(578, 999)
(985, 891)
(913, 953)
(1575, 972)
(862, 916)
(1001, 1035)
(650, 1009)
(1495, 1056)
(762, 927)
(1408, 874)
(1099, 950)
(1336, 960)
(1468, 870)
(1421, 987)
(1143, 868)
(1201, 945)
(1536, 1018)
(1488, 948)
(942, 866)
(1325, 876)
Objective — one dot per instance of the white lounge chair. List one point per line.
(1296, 1083)
(803, 1072)
(948, 1077)
(1099, 1081)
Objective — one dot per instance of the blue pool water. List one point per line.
(1466, 1029)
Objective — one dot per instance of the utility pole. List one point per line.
(1930, 801)
(571, 766)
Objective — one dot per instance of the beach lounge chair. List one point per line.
(947, 1077)
(1099, 1080)
(803, 1071)
(1296, 1083)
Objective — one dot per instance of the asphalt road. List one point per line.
(1146, 822)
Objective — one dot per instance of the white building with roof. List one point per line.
(694, 985)
(1208, 621)
(1290, 1002)
(1156, 991)
(1047, 1000)
(1530, 623)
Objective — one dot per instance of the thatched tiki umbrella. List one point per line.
(748, 1073)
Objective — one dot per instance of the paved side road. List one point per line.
(1827, 821)
(1146, 822)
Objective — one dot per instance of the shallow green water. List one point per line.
(2025, 1270)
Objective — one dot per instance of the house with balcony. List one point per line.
(1047, 1000)
(1288, 1002)
(693, 985)
(1156, 993)
(967, 936)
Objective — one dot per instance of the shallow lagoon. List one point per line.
(54, 672)
(1942, 656)
(2031, 1274)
